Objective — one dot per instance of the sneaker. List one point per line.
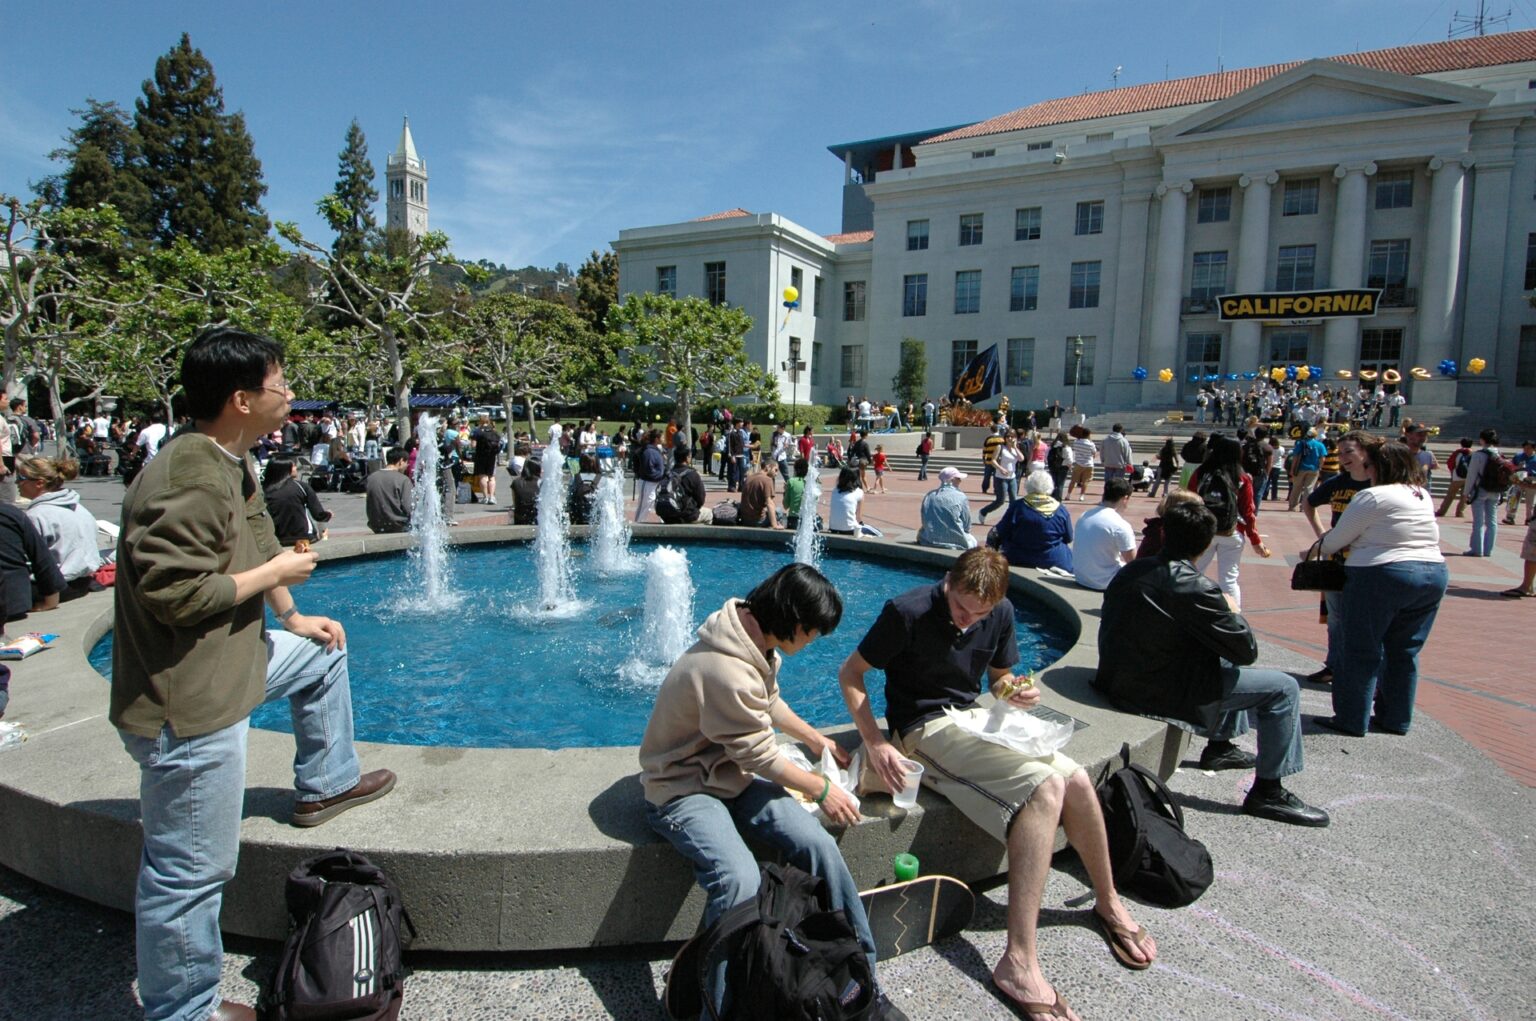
(369, 787)
(1283, 806)
(885, 1010)
(1323, 676)
(1231, 757)
(1332, 723)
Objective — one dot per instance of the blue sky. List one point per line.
(548, 128)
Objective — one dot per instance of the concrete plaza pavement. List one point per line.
(1413, 904)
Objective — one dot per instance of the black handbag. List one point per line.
(1316, 573)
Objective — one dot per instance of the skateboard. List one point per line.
(902, 917)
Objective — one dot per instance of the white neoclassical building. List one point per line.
(1119, 217)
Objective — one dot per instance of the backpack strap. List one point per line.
(726, 928)
(1159, 791)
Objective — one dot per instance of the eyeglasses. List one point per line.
(281, 390)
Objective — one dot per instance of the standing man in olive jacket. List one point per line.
(1170, 646)
(192, 657)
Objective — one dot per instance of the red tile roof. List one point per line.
(852, 238)
(725, 214)
(1429, 58)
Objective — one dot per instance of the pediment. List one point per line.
(1320, 91)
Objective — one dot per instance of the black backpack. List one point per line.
(789, 956)
(674, 502)
(1152, 857)
(1253, 459)
(1054, 457)
(1220, 499)
(1498, 472)
(578, 504)
(341, 961)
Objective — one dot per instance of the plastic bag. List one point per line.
(847, 779)
(1005, 725)
(11, 735)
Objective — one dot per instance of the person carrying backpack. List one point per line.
(1228, 494)
(1489, 476)
(680, 496)
(1457, 464)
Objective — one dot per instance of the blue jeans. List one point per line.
(1485, 524)
(1275, 701)
(191, 793)
(708, 832)
(1115, 473)
(1006, 490)
(922, 471)
(1335, 603)
(987, 471)
(1387, 612)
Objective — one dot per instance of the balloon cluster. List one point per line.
(1301, 372)
(1345, 374)
(1419, 372)
(1139, 373)
(1165, 375)
(1476, 366)
(791, 297)
(1448, 368)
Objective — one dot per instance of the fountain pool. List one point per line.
(483, 674)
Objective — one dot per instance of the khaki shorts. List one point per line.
(1528, 547)
(988, 782)
(1081, 475)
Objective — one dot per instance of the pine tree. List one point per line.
(200, 167)
(597, 288)
(356, 193)
(101, 166)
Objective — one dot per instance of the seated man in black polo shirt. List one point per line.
(934, 643)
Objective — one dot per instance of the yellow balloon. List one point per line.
(1303, 373)
(1165, 375)
(1277, 374)
(1344, 374)
(1368, 374)
(1476, 365)
(1419, 372)
(791, 294)
(1391, 376)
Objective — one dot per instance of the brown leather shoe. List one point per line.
(229, 1010)
(370, 787)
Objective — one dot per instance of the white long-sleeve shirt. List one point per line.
(1387, 525)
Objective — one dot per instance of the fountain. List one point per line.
(668, 628)
(552, 541)
(430, 556)
(808, 542)
(610, 536)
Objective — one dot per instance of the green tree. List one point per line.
(199, 166)
(356, 228)
(689, 350)
(911, 380)
(597, 288)
(539, 352)
(102, 161)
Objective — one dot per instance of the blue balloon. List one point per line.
(1250, 375)
(1290, 372)
(1448, 367)
(1317, 371)
(1194, 379)
(1231, 376)
(1139, 372)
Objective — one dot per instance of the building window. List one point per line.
(967, 291)
(853, 301)
(1101, 136)
(397, 189)
(1202, 356)
(1388, 269)
(1026, 224)
(1024, 289)
(960, 354)
(1525, 358)
(1085, 285)
(714, 283)
(1083, 376)
(1296, 269)
(1210, 275)
(853, 366)
(1040, 146)
(797, 280)
(981, 154)
(1300, 197)
(1021, 361)
(1289, 348)
(917, 235)
(1394, 189)
(1530, 262)
(816, 286)
(1381, 350)
(970, 228)
(914, 294)
(815, 363)
(666, 281)
(1090, 218)
(1214, 205)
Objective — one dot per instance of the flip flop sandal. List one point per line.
(1514, 593)
(1120, 939)
(1022, 1008)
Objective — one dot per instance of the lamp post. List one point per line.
(794, 366)
(1077, 369)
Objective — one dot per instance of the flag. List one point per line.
(981, 379)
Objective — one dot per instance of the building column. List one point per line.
(1488, 329)
(1442, 275)
(1124, 344)
(1252, 258)
(1168, 286)
(1347, 264)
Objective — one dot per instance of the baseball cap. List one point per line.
(952, 474)
(1420, 427)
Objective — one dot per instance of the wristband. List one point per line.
(282, 618)
(825, 790)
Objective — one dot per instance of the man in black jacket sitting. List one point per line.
(1170, 646)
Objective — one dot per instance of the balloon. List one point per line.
(1419, 372)
(1290, 372)
(791, 295)
(1165, 375)
(1232, 377)
(1476, 365)
(1448, 367)
(1303, 372)
(1345, 374)
(1139, 373)
(1391, 376)
(1368, 374)
(1250, 375)
(1317, 370)
(1277, 374)
(1194, 378)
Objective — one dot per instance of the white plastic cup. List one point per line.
(907, 796)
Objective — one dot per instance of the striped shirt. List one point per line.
(1084, 453)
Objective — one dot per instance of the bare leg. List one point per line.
(1029, 860)
(1083, 820)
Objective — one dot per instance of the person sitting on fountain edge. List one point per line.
(934, 643)
(192, 658)
(387, 494)
(1170, 645)
(712, 768)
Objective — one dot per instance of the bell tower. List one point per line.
(406, 176)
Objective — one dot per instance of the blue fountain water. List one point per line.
(475, 675)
